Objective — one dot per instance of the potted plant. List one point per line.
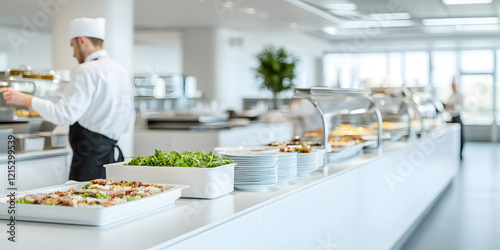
(276, 70)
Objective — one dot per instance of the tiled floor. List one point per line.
(468, 215)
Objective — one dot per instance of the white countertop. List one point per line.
(189, 217)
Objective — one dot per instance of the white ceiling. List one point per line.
(276, 14)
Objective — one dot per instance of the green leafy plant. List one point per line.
(185, 159)
(276, 69)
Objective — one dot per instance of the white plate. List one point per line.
(88, 215)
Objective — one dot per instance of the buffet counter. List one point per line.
(367, 202)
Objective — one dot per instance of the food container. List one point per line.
(54, 140)
(208, 183)
(87, 215)
(29, 142)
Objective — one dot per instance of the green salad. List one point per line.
(185, 159)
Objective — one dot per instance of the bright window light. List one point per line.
(390, 16)
(460, 21)
(454, 2)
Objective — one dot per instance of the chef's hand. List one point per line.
(15, 97)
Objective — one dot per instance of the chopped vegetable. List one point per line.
(22, 201)
(85, 195)
(134, 197)
(185, 159)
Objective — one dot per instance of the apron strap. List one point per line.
(120, 153)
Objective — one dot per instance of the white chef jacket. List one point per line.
(99, 97)
(457, 99)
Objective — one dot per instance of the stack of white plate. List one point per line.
(225, 150)
(6, 114)
(287, 167)
(306, 163)
(4, 140)
(254, 172)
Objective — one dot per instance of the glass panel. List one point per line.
(416, 72)
(444, 69)
(478, 93)
(477, 61)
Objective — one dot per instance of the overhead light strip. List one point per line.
(460, 21)
(456, 2)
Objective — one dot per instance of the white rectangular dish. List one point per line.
(92, 216)
(208, 183)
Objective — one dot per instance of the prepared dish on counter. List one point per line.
(304, 149)
(185, 159)
(315, 133)
(98, 193)
(297, 143)
(22, 112)
(347, 129)
(392, 125)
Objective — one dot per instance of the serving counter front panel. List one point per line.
(367, 202)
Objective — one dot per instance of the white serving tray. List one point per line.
(87, 215)
(207, 183)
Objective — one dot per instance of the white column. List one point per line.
(119, 15)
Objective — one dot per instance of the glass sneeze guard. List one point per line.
(341, 107)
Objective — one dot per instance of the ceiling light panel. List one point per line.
(455, 2)
(460, 21)
(391, 16)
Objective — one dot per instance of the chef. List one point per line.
(97, 102)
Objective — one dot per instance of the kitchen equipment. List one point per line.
(29, 142)
(54, 140)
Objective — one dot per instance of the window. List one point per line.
(477, 61)
(416, 71)
(372, 69)
(444, 68)
(478, 104)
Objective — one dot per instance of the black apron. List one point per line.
(90, 152)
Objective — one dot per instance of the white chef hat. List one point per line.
(87, 27)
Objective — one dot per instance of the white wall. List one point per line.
(35, 51)
(236, 63)
(152, 58)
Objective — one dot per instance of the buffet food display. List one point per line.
(397, 109)
(96, 203)
(348, 117)
(98, 193)
(208, 175)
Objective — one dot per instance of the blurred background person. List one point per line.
(454, 106)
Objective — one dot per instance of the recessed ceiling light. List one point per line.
(330, 30)
(391, 16)
(488, 27)
(370, 24)
(294, 25)
(460, 21)
(340, 6)
(454, 2)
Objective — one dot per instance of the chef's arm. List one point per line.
(12, 96)
(74, 102)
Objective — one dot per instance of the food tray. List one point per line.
(87, 215)
(208, 183)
